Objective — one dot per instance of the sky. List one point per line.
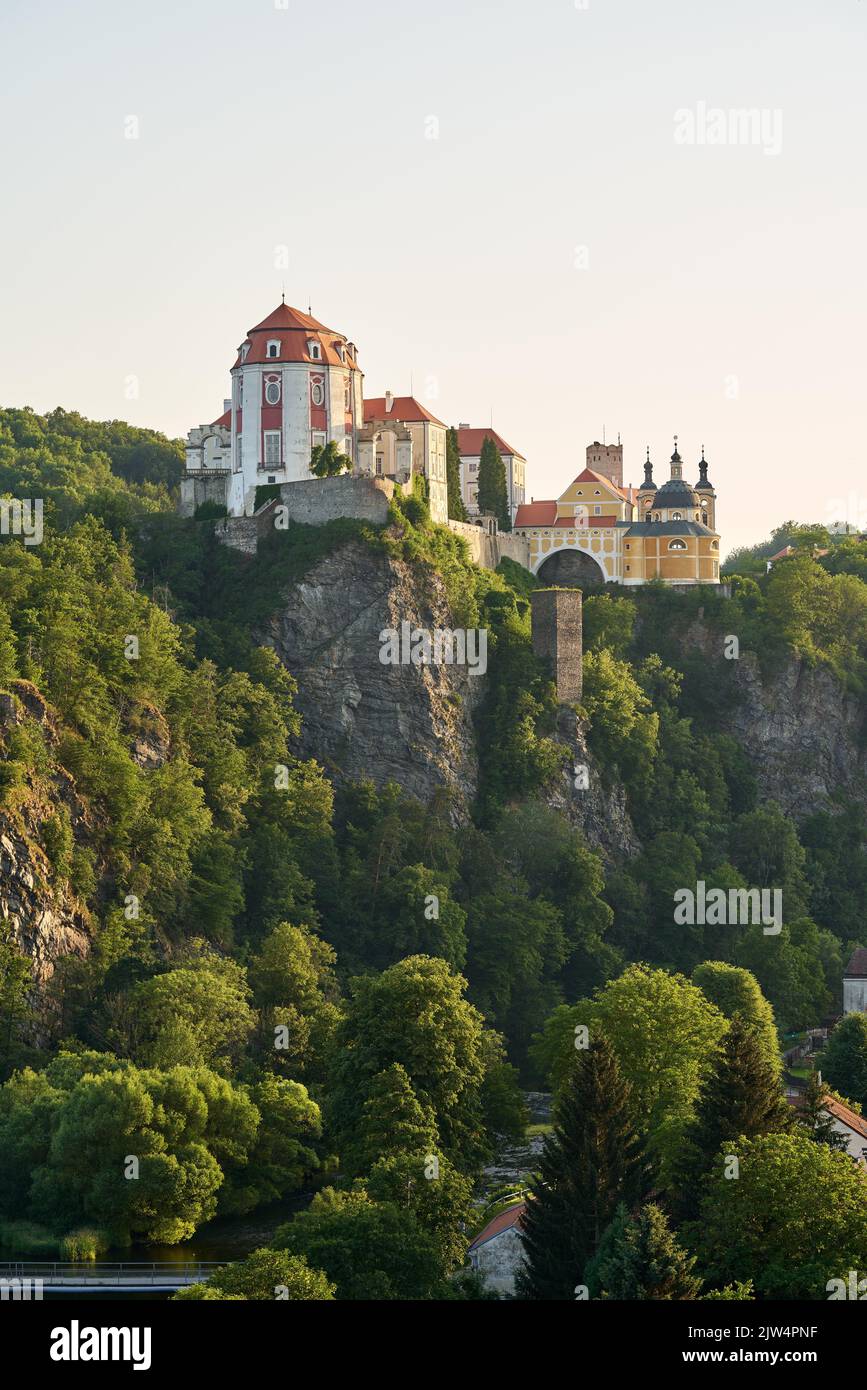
(544, 215)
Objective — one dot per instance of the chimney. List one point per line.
(389, 402)
(463, 425)
(556, 620)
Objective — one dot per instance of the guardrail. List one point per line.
(127, 1274)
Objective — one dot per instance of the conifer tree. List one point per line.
(639, 1258)
(591, 1162)
(457, 510)
(816, 1118)
(493, 492)
(741, 1096)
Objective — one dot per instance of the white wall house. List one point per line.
(470, 449)
(855, 983)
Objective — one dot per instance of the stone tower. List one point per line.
(557, 637)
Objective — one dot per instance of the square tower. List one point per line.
(557, 637)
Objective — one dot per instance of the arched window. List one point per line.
(676, 516)
(273, 348)
(272, 390)
(677, 545)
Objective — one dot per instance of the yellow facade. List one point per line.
(633, 535)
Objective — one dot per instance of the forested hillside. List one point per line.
(246, 975)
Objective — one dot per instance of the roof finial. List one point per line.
(283, 295)
(648, 453)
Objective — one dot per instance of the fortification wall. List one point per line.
(201, 488)
(488, 550)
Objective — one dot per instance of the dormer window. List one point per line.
(341, 352)
(272, 348)
(314, 350)
(245, 348)
(676, 516)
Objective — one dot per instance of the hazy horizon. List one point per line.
(549, 218)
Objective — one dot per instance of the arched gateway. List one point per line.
(570, 569)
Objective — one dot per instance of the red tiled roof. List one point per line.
(536, 514)
(295, 330)
(470, 443)
(591, 476)
(857, 967)
(503, 1221)
(224, 421)
(846, 1116)
(402, 408)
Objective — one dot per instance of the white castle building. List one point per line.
(297, 384)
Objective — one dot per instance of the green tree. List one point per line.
(737, 991)
(741, 1096)
(816, 1119)
(328, 460)
(413, 1013)
(371, 1250)
(639, 1258)
(590, 1163)
(456, 509)
(665, 1034)
(844, 1060)
(795, 1218)
(265, 1274)
(493, 491)
(435, 1192)
(392, 1121)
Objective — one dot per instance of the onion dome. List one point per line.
(703, 485)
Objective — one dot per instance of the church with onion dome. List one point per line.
(602, 532)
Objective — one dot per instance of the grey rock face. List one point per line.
(360, 718)
(801, 729)
(41, 920)
(600, 809)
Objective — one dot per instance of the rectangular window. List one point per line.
(318, 437)
(597, 511)
(272, 447)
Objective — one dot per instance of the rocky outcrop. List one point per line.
(40, 917)
(596, 806)
(38, 913)
(802, 731)
(406, 723)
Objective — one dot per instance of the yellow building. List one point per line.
(600, 532)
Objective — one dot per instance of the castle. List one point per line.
(297, 385)
(599, 531)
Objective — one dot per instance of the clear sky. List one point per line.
(571, 251)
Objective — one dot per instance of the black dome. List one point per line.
(675, 493)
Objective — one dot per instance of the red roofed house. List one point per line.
(498, 1250)
(470, 449)
(399, 437)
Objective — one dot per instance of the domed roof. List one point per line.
(675, 493)
(293, 332)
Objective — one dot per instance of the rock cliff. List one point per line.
(361, 718)
(803, 732)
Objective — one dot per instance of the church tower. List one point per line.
(706, 495)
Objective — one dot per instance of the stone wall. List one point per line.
(488, 550)
(199, 488)
(557, 637)
(314, 501)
